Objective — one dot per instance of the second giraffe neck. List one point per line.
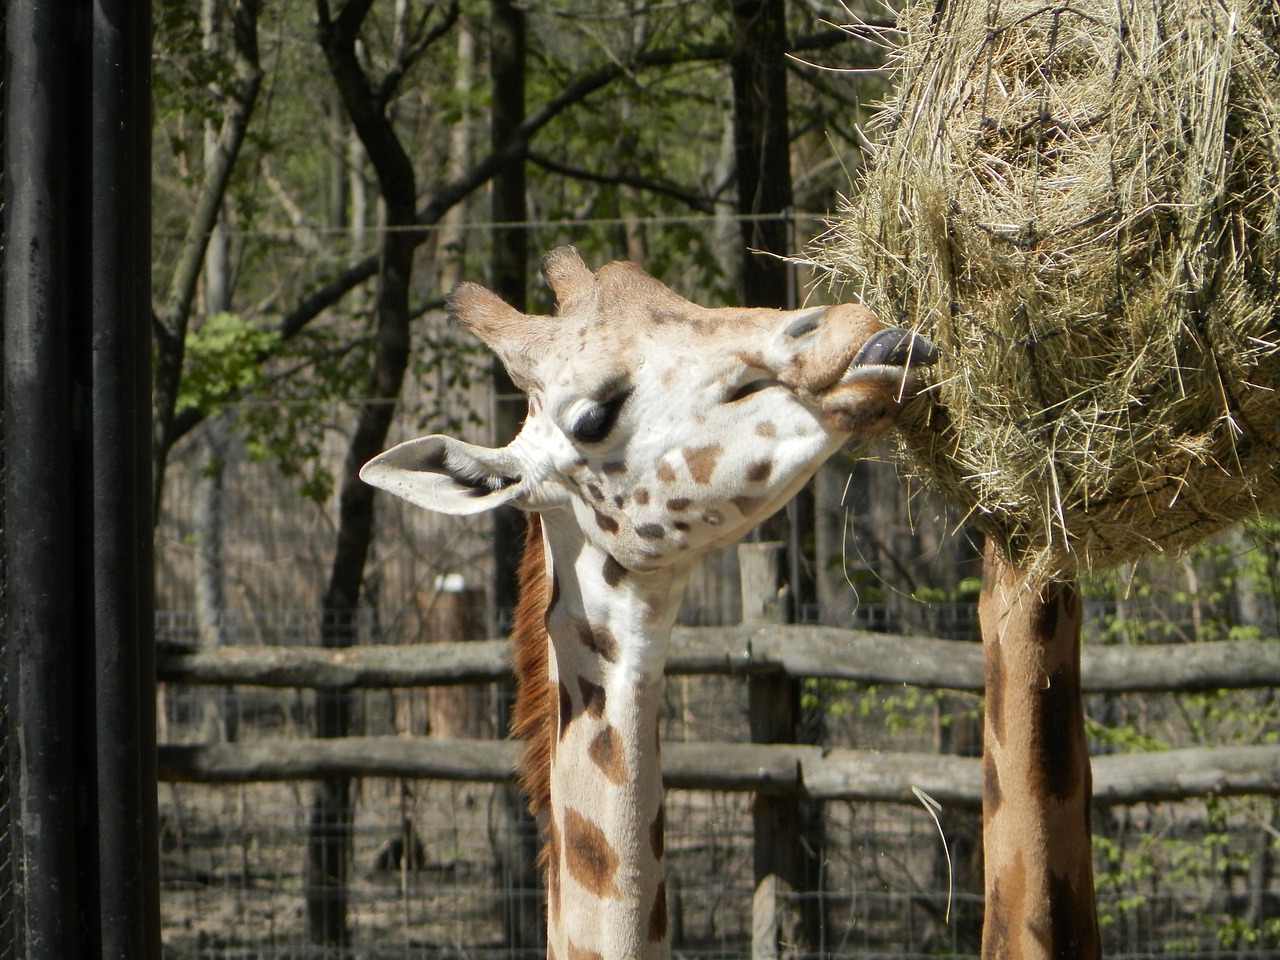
(609, 630)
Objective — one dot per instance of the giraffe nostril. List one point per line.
(807, 322)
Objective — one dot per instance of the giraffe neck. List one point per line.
(607, 632)
(1037, 785)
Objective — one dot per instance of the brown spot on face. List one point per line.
(606, 523)
(658, 914)
(747, 505)
(759, 471)
(680, 525)
(577, 953)
(613, 468)
(595, 491)
(598, 640)
(593, 698)
(641, 496)
(678, 504)
(651, 531)
(664, 472)
(702, 461)
(657, 834)
(766, 428)
(587, 854)
(661, 316)
(566, 709)
(613, 571)
(606, 753)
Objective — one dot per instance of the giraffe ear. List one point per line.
(569, 278)
(446, 475)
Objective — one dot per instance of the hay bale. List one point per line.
(1080, 204)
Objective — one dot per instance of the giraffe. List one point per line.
(657, 431)
(1037, 781)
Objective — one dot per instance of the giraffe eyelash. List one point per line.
(598, 421)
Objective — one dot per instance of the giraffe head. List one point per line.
(666, 429)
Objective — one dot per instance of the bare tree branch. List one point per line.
(326, 295)
(170, 321)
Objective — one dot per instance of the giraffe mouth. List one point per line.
(883, 374)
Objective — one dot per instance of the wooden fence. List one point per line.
(760, 650)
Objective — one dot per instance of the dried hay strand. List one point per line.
(1079, 202)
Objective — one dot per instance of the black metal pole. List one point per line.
(125, 689)
(43, 621)
(80, 688)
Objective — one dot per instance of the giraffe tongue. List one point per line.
(894, 347)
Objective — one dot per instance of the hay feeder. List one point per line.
(1079, 203)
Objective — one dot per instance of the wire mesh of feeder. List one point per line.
(1080, 204)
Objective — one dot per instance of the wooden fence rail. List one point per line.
(811, 773)
(783, 769)
(800, 651)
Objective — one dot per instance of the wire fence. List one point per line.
(1193, 879)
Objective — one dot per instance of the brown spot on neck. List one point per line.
(589, 857)
(566, 709)
(657, 834)
(598, 640)
(551, 854)
(759, 471)
(613, 571)
(658, 915)
(593, 697)
(606, 753)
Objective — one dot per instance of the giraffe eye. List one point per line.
(598, 421)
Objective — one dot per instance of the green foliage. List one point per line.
(223, 360)
(1223, 590)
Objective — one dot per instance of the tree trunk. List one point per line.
(452, 241)
(762, 148)
(1037, 782)
(789, 834)
(170, 320)
(329, 857)
(514, 831)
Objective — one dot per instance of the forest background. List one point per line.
(326, 173)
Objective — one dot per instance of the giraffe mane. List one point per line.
(533, 717)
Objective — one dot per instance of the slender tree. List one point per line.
(366, 100)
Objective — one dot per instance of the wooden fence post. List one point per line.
(780, 924)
